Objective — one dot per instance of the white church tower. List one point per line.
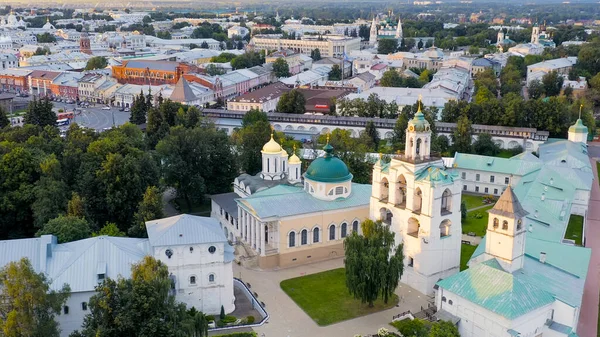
(294, 168)
(420, 200)
(505, 236)
(535, 34)
(373, 33)
(399, 33)
(578, 132)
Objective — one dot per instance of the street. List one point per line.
(98, 119)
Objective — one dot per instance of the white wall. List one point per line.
(74, 319)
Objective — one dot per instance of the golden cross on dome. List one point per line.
(327, 137)
(580, 107)
(294, 148)
(272, 129)
(419, 102)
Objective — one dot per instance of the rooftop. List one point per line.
(184, 229)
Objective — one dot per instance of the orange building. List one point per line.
(151, 72)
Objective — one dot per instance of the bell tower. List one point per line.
(505, 237)
(418, 137)
(373, 33)
(535, 34)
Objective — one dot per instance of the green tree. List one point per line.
(39, 112)
(197, 161)
(315, 54)
(110, 229)
(67, 228)
(96, 62)
(443, 329)
(139, 109)
(351, 151)
(281, 68)
(75, 206)
(474, 50)
(4, 121)
(552, 83)
(335, 74)
(391, 78)
(373, 263)
(292, 102)
(50, 192)
(28, 305)
(250, 139)
(150, 208)
(372, 133)
(387, 46)
(588, 59)
(463, 211)
(462, 137)
(45, 38)
(214, 70)
(484, 145)
(535, 89)
(140, 306)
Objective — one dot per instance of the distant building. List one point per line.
(150, 72)
(561, 65)
(328, 45)
(264, 99)
(6, 102)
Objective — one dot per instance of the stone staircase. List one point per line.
(246, 255)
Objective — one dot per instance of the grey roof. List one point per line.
(182, 91)
(184, 229)
(227, 202)
(256, 183)
(483, 62)
(508, 205)
(154, 65)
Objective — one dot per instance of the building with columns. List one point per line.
(287, 218)
(420, 200)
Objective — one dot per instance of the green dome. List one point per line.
(578, 127)
(328, 169)
(418, 123)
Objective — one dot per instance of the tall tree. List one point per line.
(462, 137)
(372, 133)
(197, 161)
(315, 54)
(292, 102)
(484, 145)
(281, 68)
(535, 89)
(39, 112)
(391, 78)
(552, 83)
(150, 208)
(335, 74)
(138, 110)
(67, 228)
(387, 46)
(250, 139)
(50, 192)
(96, 62)
(4, 121)
(28, 305)
(373, 263)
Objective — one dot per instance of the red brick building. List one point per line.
(14, 80)
(40, 82)
(66, 85)
(151, 72)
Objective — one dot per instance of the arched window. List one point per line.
(445, 228)
(443, 298)
(66, 309)
(505, 225)
(418, 201)
(316, 235)
(519, 224)
(292, 239)
(496, 223)
(446, 202)
(84, 306)
(211, 278)
(268, 165)
(332, 232)
(192, 280)
(344, 230)
(401, 192)
(304, 237)
(384, 188)
(355, 226)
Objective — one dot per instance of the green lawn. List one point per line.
(472, 201)
(575, 229)
(325, 298)
(505, 154)
(466, 251)
(202, 209)
(476, 221)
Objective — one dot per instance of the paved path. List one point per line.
(168, 208)
(479, 207)
(588, 319)
(288, 320)
(474, 240)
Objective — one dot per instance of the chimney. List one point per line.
(542, 257)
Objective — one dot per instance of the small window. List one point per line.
(443, 298)
(292, 239)
(450, 302)
(464, 187)
(316, 235)
(519, 224)
(492, 178)
(169, 253)
(192, 280)
(464, 175)
(211, 278)
(66, 309)
(332, 232)
(304, 237)
(505, 225)
(101, 277)
(485, 190)
(339, 190)
(496, 223)
(355, 226)
(212, 249)
(344, 230)
(477, 177)
(411, 261)
(191, 249)
(495, 191)
(84, 306)
(506, 180)
(330, 192)
(476, 188)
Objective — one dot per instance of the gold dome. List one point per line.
(271, 146)
(294, 158)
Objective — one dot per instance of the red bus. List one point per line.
(64, 115)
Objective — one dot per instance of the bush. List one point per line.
(250, 319)
(210, 318)
(220, 324)
(228, 319)
(222, 314)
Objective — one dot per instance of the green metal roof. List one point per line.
(560, 255)
(328, 169)
(419, 122)
(435, 175)
(496, 290)
(284, 200)
(514, 166)
(578, 127)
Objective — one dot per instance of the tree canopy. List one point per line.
(292, 102)
(67, 228)
(373, 263)
(281, 68)
(96, 62)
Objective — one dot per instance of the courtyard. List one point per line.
(325, 298)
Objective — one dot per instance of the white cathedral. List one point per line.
(385, 29)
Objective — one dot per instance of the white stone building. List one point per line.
(237, 31)
(420, 201)
(8, 61)
(328, 45)
(199, 260)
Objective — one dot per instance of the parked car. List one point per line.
(105, 108)
(126, 109)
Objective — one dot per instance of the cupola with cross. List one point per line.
(418, 137)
